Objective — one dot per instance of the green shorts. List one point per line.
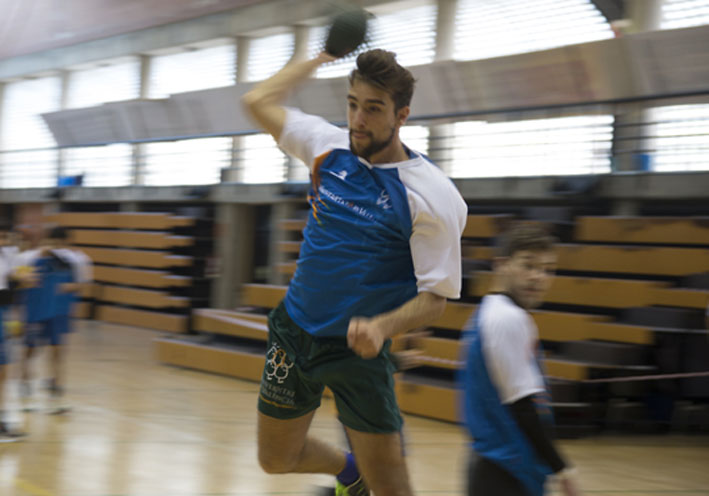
(299, 366)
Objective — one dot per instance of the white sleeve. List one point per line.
(26, 258)
(307, 136)
(81, 266)
(437, 226)
(5, 271)
(509, 350)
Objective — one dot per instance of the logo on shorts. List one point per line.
(277, 364)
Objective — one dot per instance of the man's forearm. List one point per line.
(419, 311)
(275, 89)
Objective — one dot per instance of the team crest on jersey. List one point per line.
(384, 201)
(277, 364)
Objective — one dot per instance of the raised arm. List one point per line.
(265, 100)
(367, 335)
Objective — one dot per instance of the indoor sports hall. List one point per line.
(122, 132)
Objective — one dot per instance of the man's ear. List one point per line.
(499, 264)
(402, 115)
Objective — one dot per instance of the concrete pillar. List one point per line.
(631, 148)
(128, 207)
(300, 52)
(279, 212)
(644, 15)
(445, 29)
(139, 149)
(302, 37)
(234, 173)
(234, 252)
(65, 77)
(625, 208)
(438, 151)
(2, 147)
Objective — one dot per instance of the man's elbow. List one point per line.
(251, 100)
(437, 304)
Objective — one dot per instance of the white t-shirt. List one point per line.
(8, 262)
(80, 263)
(509, 343)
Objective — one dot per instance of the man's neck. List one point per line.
(393, 153)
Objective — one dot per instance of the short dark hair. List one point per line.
(524, 236)
(58, 233)
(380, 68)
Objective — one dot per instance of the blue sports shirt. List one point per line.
(376, 235)
(502, 367)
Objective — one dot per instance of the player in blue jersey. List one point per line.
(505, 398)
(381, 253)
(8, 256)
(60, 272)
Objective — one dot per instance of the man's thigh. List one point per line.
(364, 391)
(380, 459)
(282, 438)
(287, 391)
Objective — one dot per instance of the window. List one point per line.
(107, 83)
(110, 165)
(262, 161)
(494, 28)
(680, 138)
(105, 165)
(268, 54)
(196, 161)
(563, 146)
(415, 137)
(684, 13)
(24, 130)
(192, 70)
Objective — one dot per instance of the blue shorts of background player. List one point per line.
(47, 332)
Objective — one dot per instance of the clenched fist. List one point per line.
(365, 337)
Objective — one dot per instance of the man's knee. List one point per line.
(390, 487)
(276, 461)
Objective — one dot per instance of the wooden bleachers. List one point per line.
(142, 297)
(486, 226)
(652, 230)
(621, 259)
(140, 261)
(142, 318)
(139, 277)
(120, 220)
(128, 239)
(609, 293)
(137, 258)
(615, 257)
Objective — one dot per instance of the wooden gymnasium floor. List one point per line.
(139, 428)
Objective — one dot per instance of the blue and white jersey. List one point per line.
(501, 367)
(8, 263)
(61, 266)
(377, 234)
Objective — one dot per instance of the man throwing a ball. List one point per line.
(381, 254)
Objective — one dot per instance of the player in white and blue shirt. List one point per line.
(59, 273)
(377, 235)
(381, 253)
(506, 405)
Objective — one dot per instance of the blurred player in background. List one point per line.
(60, 273)
(8, 260)
(505, 398)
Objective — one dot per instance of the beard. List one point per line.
(374, 145)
